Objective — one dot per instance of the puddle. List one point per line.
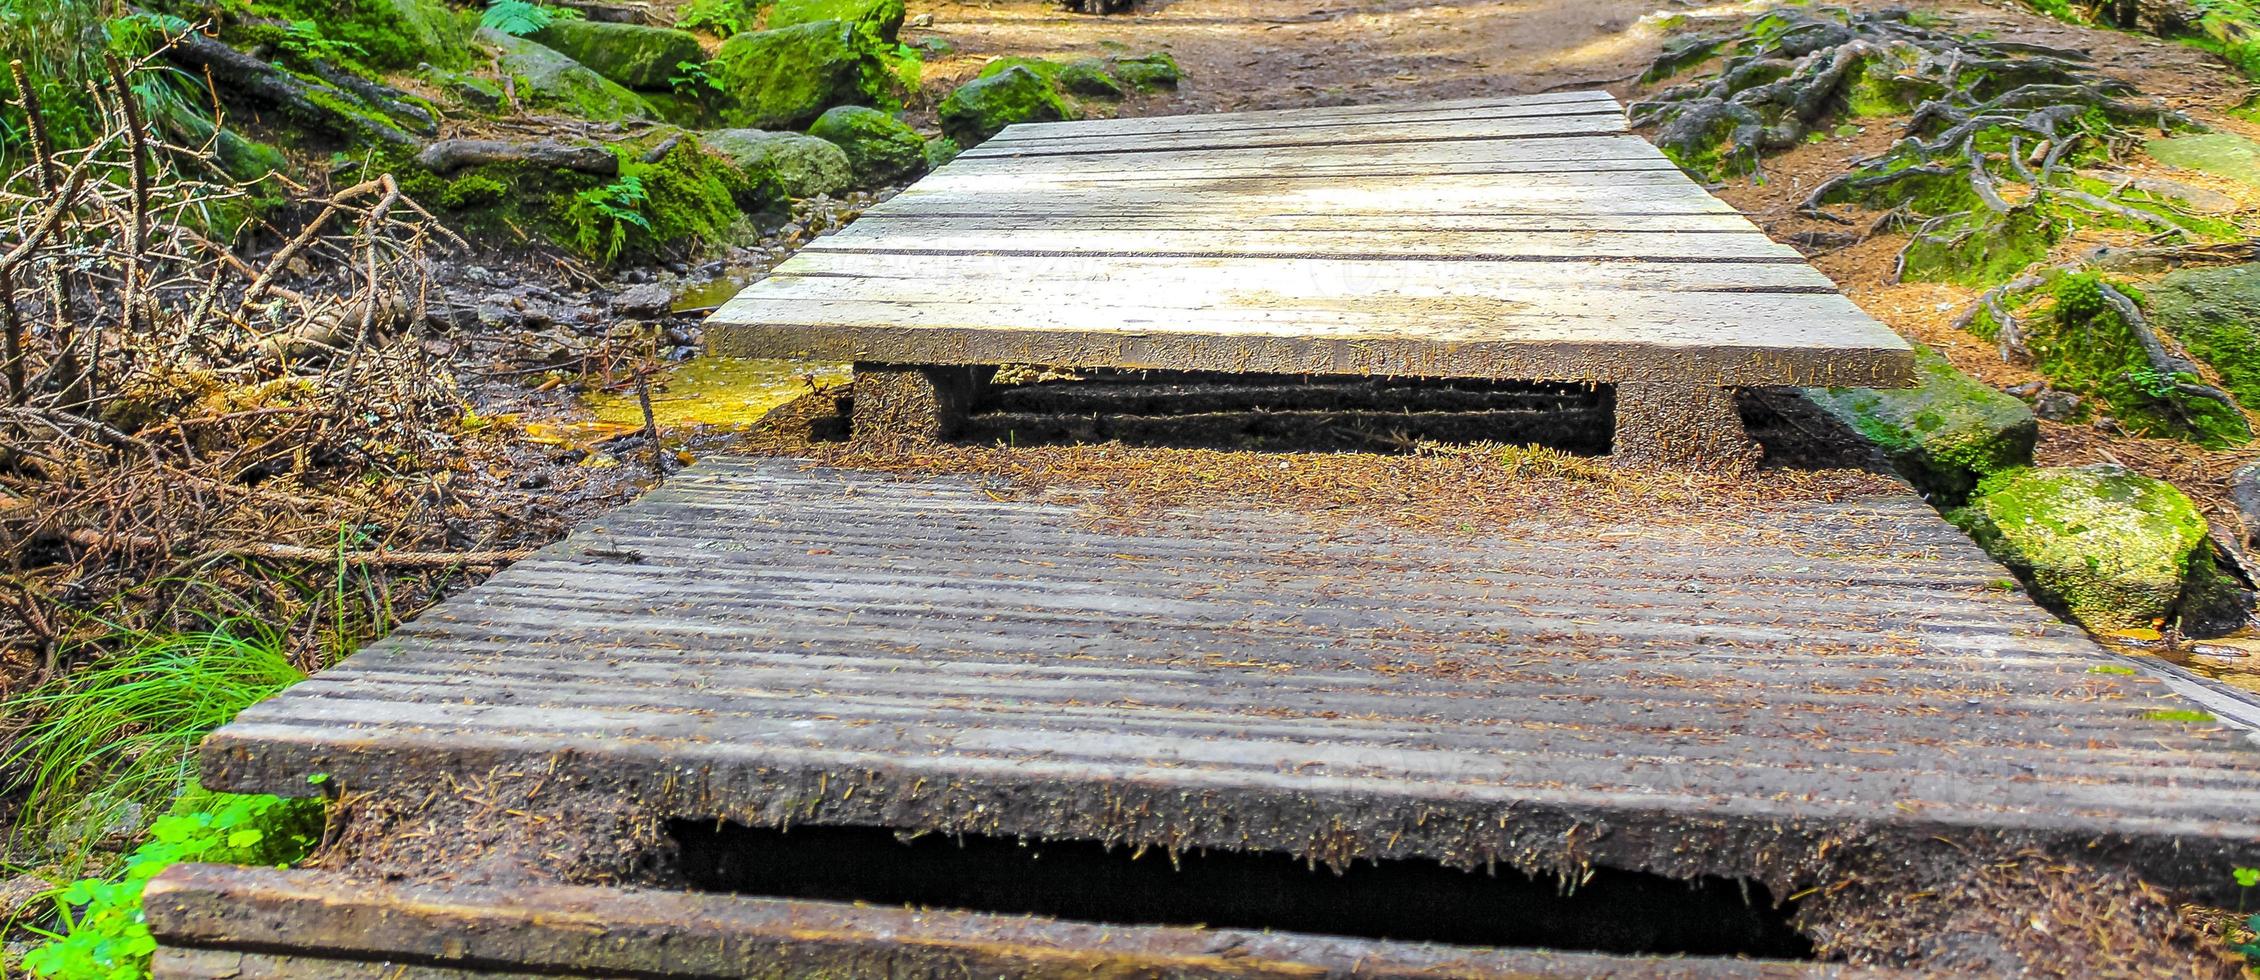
(712, 293)
(727, 392)
(2233, 660)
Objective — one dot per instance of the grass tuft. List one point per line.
(118, 736)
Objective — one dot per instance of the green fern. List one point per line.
(519, 18)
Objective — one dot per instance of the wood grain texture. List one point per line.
(1249, 679)
(1515, 238)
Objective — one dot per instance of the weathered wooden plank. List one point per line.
(1326, 277)
(1356, 134)
(1559, 102)
(1411, 183)
(1437, 247)
(1193, 219)
(214, 920)
(1622, 150)
(1378, 196)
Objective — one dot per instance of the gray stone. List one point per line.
(2056, 406)
(2219, 154)
(1945, 434)
(546, 79)
(784, 165)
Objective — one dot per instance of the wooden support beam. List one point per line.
(1691, 426)
(897, 404)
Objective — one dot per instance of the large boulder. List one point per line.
(2111, 547)
(786, 77)
(881, 19)
(982, 107)
(632, 54)
(546, 79)
(782, 165)
(2215, 313)
(881, 148)
(1945, 434)
(390, 33)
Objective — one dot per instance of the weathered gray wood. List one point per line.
(227, 924)
(1491, 238)
(897, 403)
(1686, 426)
(1246, 678)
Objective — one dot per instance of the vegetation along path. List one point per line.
(315, 313)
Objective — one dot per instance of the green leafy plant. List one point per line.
(602, 216)
(721, 17)
(121, 732)
(2247, 879)
(693, 74)
(101, 933)
(519, 18)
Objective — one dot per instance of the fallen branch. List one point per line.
(448, 156)
(378, 558)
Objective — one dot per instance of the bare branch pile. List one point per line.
(173, 410)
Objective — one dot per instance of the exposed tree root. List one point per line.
(448, 156)
(361, 110)
(1988, 167)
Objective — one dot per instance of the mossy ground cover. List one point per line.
(686, 200)
(1945, 434)
(2082, 340)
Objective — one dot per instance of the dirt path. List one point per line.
(1259, 54)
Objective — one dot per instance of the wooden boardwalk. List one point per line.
(1525, 237)
(1760, 698)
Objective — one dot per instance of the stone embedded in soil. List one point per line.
(881, 19)
(2219, 154)
(2215, 314)
(1149, 72)
(880, 148)
(784, 165)
(2112, 547)
(1088, 77)
(1945, 434)
(546, 79)
(982, 107)
(631, 54)
(785, 78)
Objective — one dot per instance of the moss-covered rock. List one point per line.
(1150, 73)
(881, 19)
(1088, 77)
(632, 54)
(880, 148)
(781, 166)
(389, 33)
(545, 79)
(2081, 343)
(2215, 313)
(941, 150)
(2219, 154)
(785, 78)
(982, 107)
(1945, 434)
(2111, 547)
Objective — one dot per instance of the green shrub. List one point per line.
(101, 933)
(519, 18)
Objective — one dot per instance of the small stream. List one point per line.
(723, 392)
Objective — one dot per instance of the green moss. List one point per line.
(878, 19)
(473, 190)
(777, 167)
(2215, 313)
(2111, 547)
(633, 55)
(546, 79)
(1087, 77)
(388, 33)
(1982, 247)
(685, 201)
(2187, 715)
(787, 77)
(1945, 434)
(880, 148)
(2083, 345)
(941, 150)
(982, 107)
(1148, 73)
